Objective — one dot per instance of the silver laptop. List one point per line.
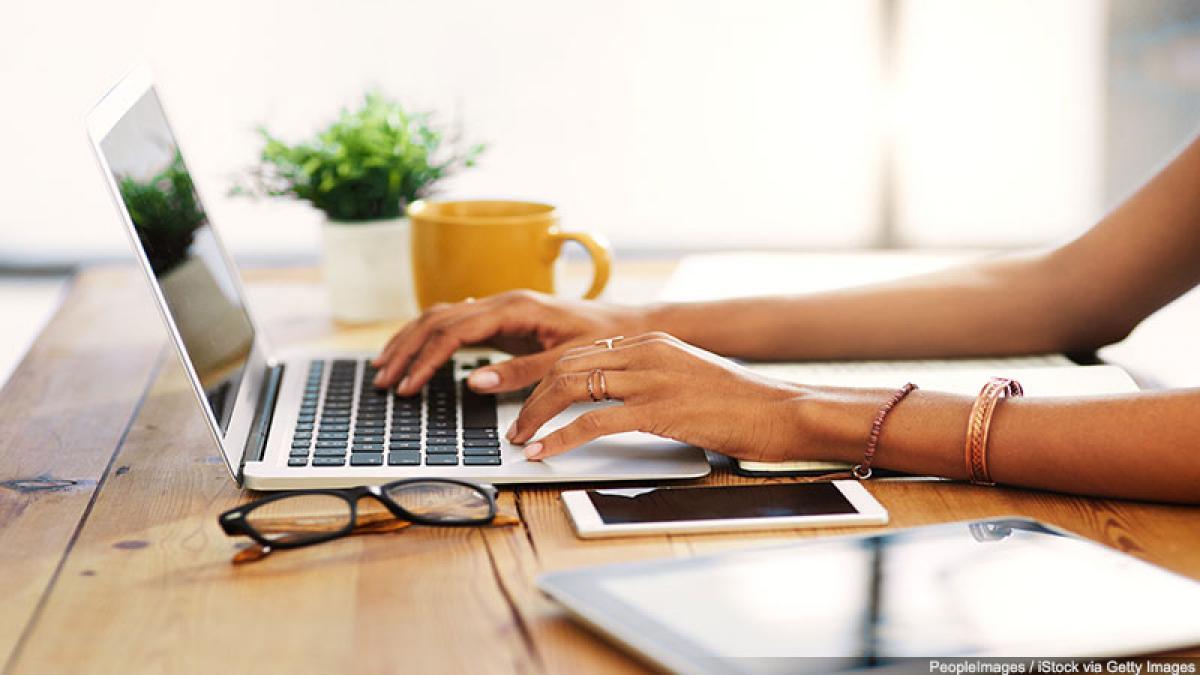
(313, 420)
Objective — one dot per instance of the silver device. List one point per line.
(279, 419)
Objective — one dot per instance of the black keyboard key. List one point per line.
(298, 461)
(329, 461)
(299, 452)
(404, 445)
(404, 458)
(304, 426)
(490, 460)
(405, 438)
(366, 459)
(441, 460)
(331, 444)
(479, 410)
(368, 438)
(480, 443)
(481, 452)
(441, 449)
(335, 427)
(479, 433)
(300, 444)
(330, 452)
(367, 447)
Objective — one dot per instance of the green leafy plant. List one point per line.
(367, 165)
(165, 213)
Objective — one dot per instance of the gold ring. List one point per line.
(469, 299)
(609, 342)
(603, 385)
(591, 387)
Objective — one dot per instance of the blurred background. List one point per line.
(669, 125)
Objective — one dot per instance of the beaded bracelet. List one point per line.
(863, 471)
(979, 424)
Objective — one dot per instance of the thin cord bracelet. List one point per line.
(863, 471)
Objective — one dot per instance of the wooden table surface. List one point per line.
(112, 559)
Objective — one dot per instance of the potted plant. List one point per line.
(362, 171)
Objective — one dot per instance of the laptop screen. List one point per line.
(178, 243)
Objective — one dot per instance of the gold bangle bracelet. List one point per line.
(979, 426)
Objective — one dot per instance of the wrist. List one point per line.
(672, 318)
(835, 423)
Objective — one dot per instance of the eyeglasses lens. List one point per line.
(300, 518)
(445, 502)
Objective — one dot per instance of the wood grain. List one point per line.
(149, 583)
(63, 414)
(146, 584)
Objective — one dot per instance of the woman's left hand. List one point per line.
(670, 389)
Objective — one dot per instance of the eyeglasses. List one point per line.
(303, 518)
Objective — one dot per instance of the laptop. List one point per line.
(308, 420)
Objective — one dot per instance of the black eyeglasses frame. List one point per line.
(234, 521)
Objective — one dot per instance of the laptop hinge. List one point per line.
(264, 412)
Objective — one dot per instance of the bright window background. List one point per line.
(667, 124)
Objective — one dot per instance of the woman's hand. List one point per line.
(671, 389)
(536, 327)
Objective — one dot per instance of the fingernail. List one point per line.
(484, 379)
(403, 383)
(512, 431)
(378, 378)
(533, 450)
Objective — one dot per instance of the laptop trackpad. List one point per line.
(629, 453)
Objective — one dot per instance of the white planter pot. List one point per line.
(368, 270)
(214, 329)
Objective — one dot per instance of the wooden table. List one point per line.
(112, 560)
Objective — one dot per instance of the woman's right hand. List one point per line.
(534, 327)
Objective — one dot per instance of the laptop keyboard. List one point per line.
(344, 418)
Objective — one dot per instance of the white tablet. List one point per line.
(898, 600)
(618, 512)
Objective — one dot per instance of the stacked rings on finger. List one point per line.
(594, 379)
(609, 342)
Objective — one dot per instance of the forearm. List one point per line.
(997, 307)
(1140, 446)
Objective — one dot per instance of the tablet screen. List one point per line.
(718, 503)
(1006, 587)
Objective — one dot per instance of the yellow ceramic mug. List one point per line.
(478, 248)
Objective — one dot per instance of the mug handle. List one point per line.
(600, 253)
